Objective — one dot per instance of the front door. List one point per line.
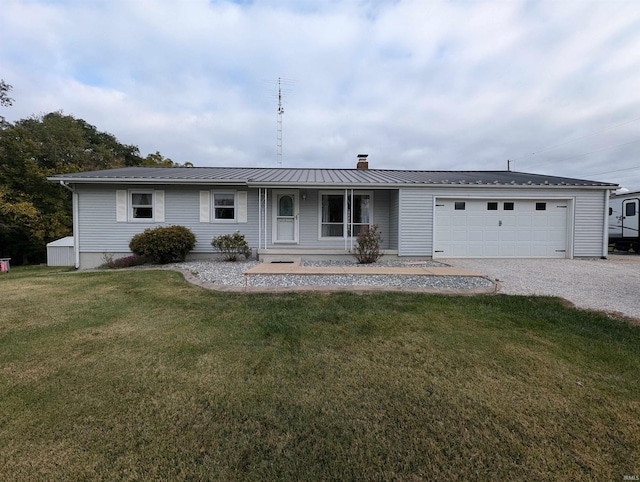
(285, 226)
(630, 223)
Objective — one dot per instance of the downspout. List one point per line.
(76, 233)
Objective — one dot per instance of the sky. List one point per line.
(552, 86)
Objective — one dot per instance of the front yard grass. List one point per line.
(138, 375)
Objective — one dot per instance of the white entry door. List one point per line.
(630, 225)
(285, 220)
(497, 228)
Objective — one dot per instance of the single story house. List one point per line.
(291, 212)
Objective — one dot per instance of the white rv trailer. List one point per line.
(624, 225)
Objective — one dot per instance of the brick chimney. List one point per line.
(362, 161)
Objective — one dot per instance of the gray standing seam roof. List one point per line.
(256, 176)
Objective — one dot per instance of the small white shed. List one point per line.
(60, 252)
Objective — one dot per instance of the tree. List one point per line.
(157, 159)
(34, 211)
(67, 144)
(5, 100)
(20, 221)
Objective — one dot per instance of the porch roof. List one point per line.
(299, 177)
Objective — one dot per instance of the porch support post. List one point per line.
(351, 219)
(345, 216)
(265, 217)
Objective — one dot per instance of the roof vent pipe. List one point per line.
(362, 161)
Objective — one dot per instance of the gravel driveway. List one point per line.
(611, 285)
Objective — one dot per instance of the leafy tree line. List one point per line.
(34, 211)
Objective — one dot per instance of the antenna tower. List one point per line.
(284, 86)
(280, 112)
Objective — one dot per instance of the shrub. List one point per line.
(231, 246)
(163, 244)
(367, 248)
(124, 262)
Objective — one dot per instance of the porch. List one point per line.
(316, 223)
(296, 254)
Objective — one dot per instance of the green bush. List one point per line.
(231, 246)
(367, 248)
(163, 244)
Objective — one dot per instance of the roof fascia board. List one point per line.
(134, 180)
(324, 185)
(425, 185)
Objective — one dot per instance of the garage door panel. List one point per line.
(460, 221)
(557, 221)
(520, 232)
(541, 236)
(459, 237)
(556, 237)
(491, 252)
(491, 236)
(541, 222)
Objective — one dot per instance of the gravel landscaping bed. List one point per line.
(232, 274)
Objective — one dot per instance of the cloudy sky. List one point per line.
(417, 84)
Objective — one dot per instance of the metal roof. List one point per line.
(263, 177)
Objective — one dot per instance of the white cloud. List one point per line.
(418, 85)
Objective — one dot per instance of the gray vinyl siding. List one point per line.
(405, 217)
(415, 222)
(394, 206)
(589, 224)
(99, 231)
(586, 222)
(381, 216)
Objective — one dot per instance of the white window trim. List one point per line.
(370, 194)
(344, 215)
(345, 218)
(130, 217)
(296, 213)
(213, 206)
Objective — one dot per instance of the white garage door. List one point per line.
(474, 228)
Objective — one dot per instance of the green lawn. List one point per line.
(138, 375)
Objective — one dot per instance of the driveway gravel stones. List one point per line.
(611, 285)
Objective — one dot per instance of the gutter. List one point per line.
(327, 185)
(137, 180)
(250, 183)
(75, 210)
